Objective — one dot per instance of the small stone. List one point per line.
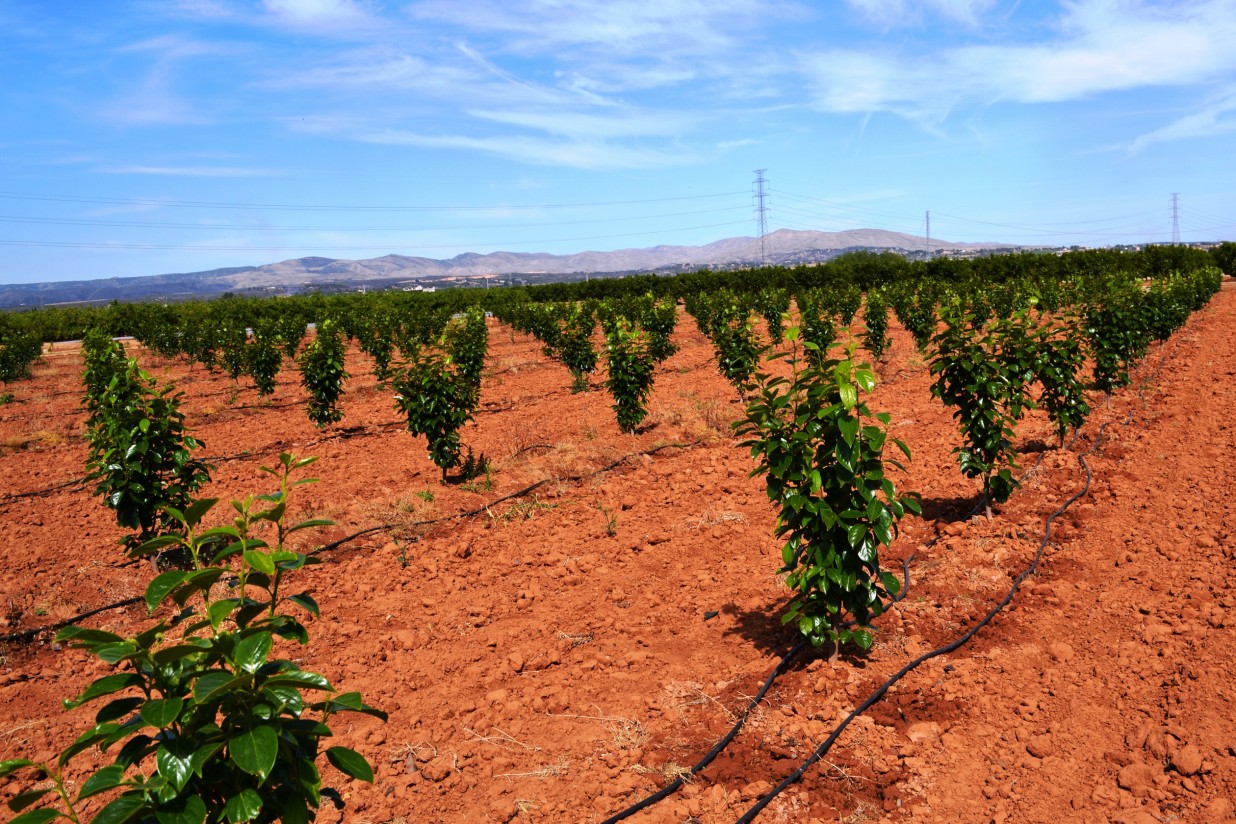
(437, 769)
(923, 731)
(1137, 778)
(1188, 760)
(1040, 746)
(1219, 810)
(1060, 651)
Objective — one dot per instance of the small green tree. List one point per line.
(322, 373)
(875, 315)
(211, 727)
(630, 367)
(821, 452)
(140, 454)
(437, 401)
(264, 356)
(983, 373)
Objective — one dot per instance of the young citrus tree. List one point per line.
(821, 452)
(630, 366)
(203, 720)
(140, 454)
(322, 373)
(436, 399)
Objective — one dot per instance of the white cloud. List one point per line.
(185, 171)
(623, 25)
(318, 13)
(892, 13)
(1215, 119)
(1102, 46)
(548, 152)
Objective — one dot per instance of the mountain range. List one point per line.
(782, 247)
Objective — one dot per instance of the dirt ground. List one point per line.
(558, 655)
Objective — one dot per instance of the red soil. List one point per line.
(555, 657)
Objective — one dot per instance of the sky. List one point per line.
(142, 137)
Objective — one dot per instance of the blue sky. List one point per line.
(155, 136)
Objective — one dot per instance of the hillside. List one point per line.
(784, 246)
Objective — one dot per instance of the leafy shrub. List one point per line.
(211, 727)
(773, 305)
(630, 365)
(263, 357)
(436, 401)
(17, 351)
(737, 349)
(140, 454)
(983, 372)
(1058, 360)
(875, 335)
(820, 450)
(322, 373)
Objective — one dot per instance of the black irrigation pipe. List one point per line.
(333, 545)
(27, 635)
(879, 693)
(40, 492)
(672, 787)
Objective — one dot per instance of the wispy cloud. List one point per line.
(319, 14)
(1101, 46)
(185, 171)
(891, 13)
(599, 155)
(1215, 119)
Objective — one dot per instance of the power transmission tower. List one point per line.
(1175, 217)
(761, 213)
(929, 233)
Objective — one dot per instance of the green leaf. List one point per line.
(350, 763)
(23, 800)
(244, 806)
(7, 768)
(107, 685)
(108, 778)
(861, 638)
(161, 713)
(161, 586)
(39, 817)
(211, 683)
(121, 810)
(78, 635)
(175, 768)
(182, 810)
(251, 652)
(306, 602)
(255, 751)
(260, 561)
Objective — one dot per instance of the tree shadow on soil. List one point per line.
(763, 629)
(950, 509)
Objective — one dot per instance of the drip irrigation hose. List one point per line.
(880, 691)
(27, 635)
(672, 787)
(676, 784)
(333, 545)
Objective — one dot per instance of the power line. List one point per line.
(195, 204)
(199, 248)
(139, 224)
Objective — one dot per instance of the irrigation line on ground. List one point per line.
(27, 635)
(872, 699)
(880, 691)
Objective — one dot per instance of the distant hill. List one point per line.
(784, 246)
